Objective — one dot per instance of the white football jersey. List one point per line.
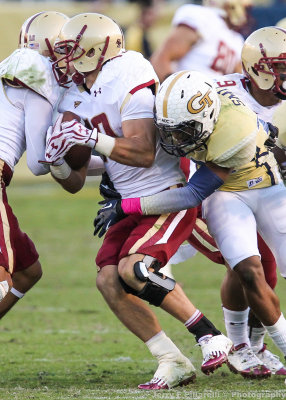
(237, 84)
(219, 48)
(124, 90)
(26, 112)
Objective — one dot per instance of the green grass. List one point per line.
(62, 342)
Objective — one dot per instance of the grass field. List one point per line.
(62, 342)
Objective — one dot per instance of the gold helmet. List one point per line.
(263, 55)
(186, 110)
(235, 11)
(88, 41)
(281, 23)
(40, 31)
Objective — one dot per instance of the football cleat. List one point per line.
(243, 361)
(270, 360)
(170, 374)
(215, 351)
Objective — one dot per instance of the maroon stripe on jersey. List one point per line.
(142, 86)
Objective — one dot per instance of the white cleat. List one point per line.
(215, 351)
(243, 361)
(270, 360)
(171, 373)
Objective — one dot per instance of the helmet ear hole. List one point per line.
(254, 71)
(90, 53)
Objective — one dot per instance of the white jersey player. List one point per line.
(115, 95)
(218, 50)
(28, 95)
(201, 40)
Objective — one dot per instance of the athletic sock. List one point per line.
(256, 336)
(236, 326)
(277, 332)
(200, 326)
(161, 346)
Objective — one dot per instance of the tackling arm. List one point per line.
(202, 184)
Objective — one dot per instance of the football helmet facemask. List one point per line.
(264, 59)
(186, 109)
(88, 41)
(40, 31)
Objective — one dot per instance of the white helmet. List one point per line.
(40, 31)
(235, 11)
(263, 51)
(186, 109)
(88, 40)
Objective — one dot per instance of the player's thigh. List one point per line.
(271, 222)
(232, 224)
(159, 236)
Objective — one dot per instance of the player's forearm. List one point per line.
(203, 183)
(134, 152)
(70, 180)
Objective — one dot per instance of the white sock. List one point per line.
(236, 325)
(277, 332)
(161, 347)
(256, 336)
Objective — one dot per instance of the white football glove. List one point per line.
(52, 132)
(79, 134)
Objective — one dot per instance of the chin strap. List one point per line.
(78, 78)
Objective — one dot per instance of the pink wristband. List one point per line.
(131, 206)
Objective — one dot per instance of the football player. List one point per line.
(238, 180)
(28, 94)
(260, 87)
(114, 93)
(214, 48)
(203, 39)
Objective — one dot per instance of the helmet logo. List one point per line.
(204, 102)
(118, 43)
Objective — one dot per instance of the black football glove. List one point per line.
(108, 215)
(107, 189)
(273, 134)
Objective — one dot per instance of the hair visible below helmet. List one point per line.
(186, 109)
(263, 51)
(89, 40)
(235, 10)
(40, 31)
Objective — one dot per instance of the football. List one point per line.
(78, 155)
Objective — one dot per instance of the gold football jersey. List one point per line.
(237, 142)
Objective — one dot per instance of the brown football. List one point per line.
(77, 156)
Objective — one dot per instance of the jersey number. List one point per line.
(225, 60)
(101, 123)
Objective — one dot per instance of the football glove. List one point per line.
(108, 215)
(79, 134)
(107, 189)
(273, 134)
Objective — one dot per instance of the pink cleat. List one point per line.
(270, 360)
(215, 351)
(243, 361)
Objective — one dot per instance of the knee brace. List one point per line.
(157, 286)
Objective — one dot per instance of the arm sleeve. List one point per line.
(38, 117)
(201, 185)
(96, 166)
